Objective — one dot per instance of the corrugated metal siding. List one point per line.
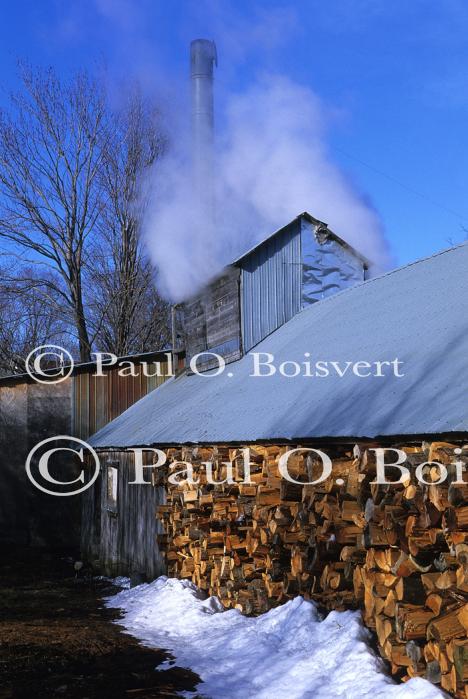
(271, 285)
(99, 399)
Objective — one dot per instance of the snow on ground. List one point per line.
(121, 582)
(118, 582)
(287, 652)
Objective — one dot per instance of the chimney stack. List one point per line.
(202, 59)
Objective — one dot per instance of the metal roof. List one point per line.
(417, 314)
(82, 367)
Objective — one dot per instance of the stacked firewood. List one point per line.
(399, 551)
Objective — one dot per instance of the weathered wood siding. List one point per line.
(211, 320)
(121, 538)
(31, 412)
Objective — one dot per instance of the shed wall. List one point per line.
(271, 285)
(328, 266)
(29, 413)
(212, 320)
(99, 399)
(122, 538)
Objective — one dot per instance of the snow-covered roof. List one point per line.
(417, 314)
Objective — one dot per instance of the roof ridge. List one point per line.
(417, 262)
(312, 219)
(359, 285)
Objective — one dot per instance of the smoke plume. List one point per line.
(272, 163)
(272, 157)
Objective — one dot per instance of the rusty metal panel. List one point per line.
(101, 402)
(97, 400)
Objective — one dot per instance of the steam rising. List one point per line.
(272, 163)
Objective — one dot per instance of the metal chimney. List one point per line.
(202, 59)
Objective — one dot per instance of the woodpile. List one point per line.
(398, 551)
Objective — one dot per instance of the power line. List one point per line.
(402, 184)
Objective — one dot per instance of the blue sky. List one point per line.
(393, 77)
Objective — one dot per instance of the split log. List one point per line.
(398, 551)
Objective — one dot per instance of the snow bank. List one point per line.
(287, 652)
(121, 581)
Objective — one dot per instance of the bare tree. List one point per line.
(71, 204)
(52, 141)
(25, 321)
(129, 316)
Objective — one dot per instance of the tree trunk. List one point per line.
(80, 319)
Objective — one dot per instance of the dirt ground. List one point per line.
(56, 640)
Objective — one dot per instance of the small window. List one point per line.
(112, 488)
